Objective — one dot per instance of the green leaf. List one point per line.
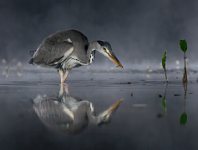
(183, 45)
(164, 104)
(164, 60)
(183, 118)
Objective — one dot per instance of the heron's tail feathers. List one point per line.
(31, 61)
(32, 52)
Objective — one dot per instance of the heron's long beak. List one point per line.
(114, 59)
(115, 106)
(105, 115)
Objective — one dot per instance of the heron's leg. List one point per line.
(61, 90)
(61, 74)
(66, 72)
(66, 89)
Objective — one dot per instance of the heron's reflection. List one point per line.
(69, 114)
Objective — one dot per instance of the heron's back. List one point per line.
(78, 39)
(56, 45)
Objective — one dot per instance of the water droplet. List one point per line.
(3, 61)
(177, 62)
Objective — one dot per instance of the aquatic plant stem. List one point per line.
(165, 75)
(185, 76)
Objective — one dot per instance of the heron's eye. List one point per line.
(104, 49)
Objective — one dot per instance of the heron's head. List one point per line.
(105, 49)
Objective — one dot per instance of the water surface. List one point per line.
(144, 120)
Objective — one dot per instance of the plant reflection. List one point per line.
(183, 119)
(163, 102)
(184, 116)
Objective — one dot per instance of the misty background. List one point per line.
(138, 30)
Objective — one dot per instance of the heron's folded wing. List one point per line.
(54, 114)
(53, 53)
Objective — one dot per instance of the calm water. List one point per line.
(30, 117)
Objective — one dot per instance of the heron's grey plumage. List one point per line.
(51, 51)
(65, 50)
(69, 114)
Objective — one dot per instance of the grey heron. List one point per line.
(68, 49)
(68, 114)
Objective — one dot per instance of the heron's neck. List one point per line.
(91, 51)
